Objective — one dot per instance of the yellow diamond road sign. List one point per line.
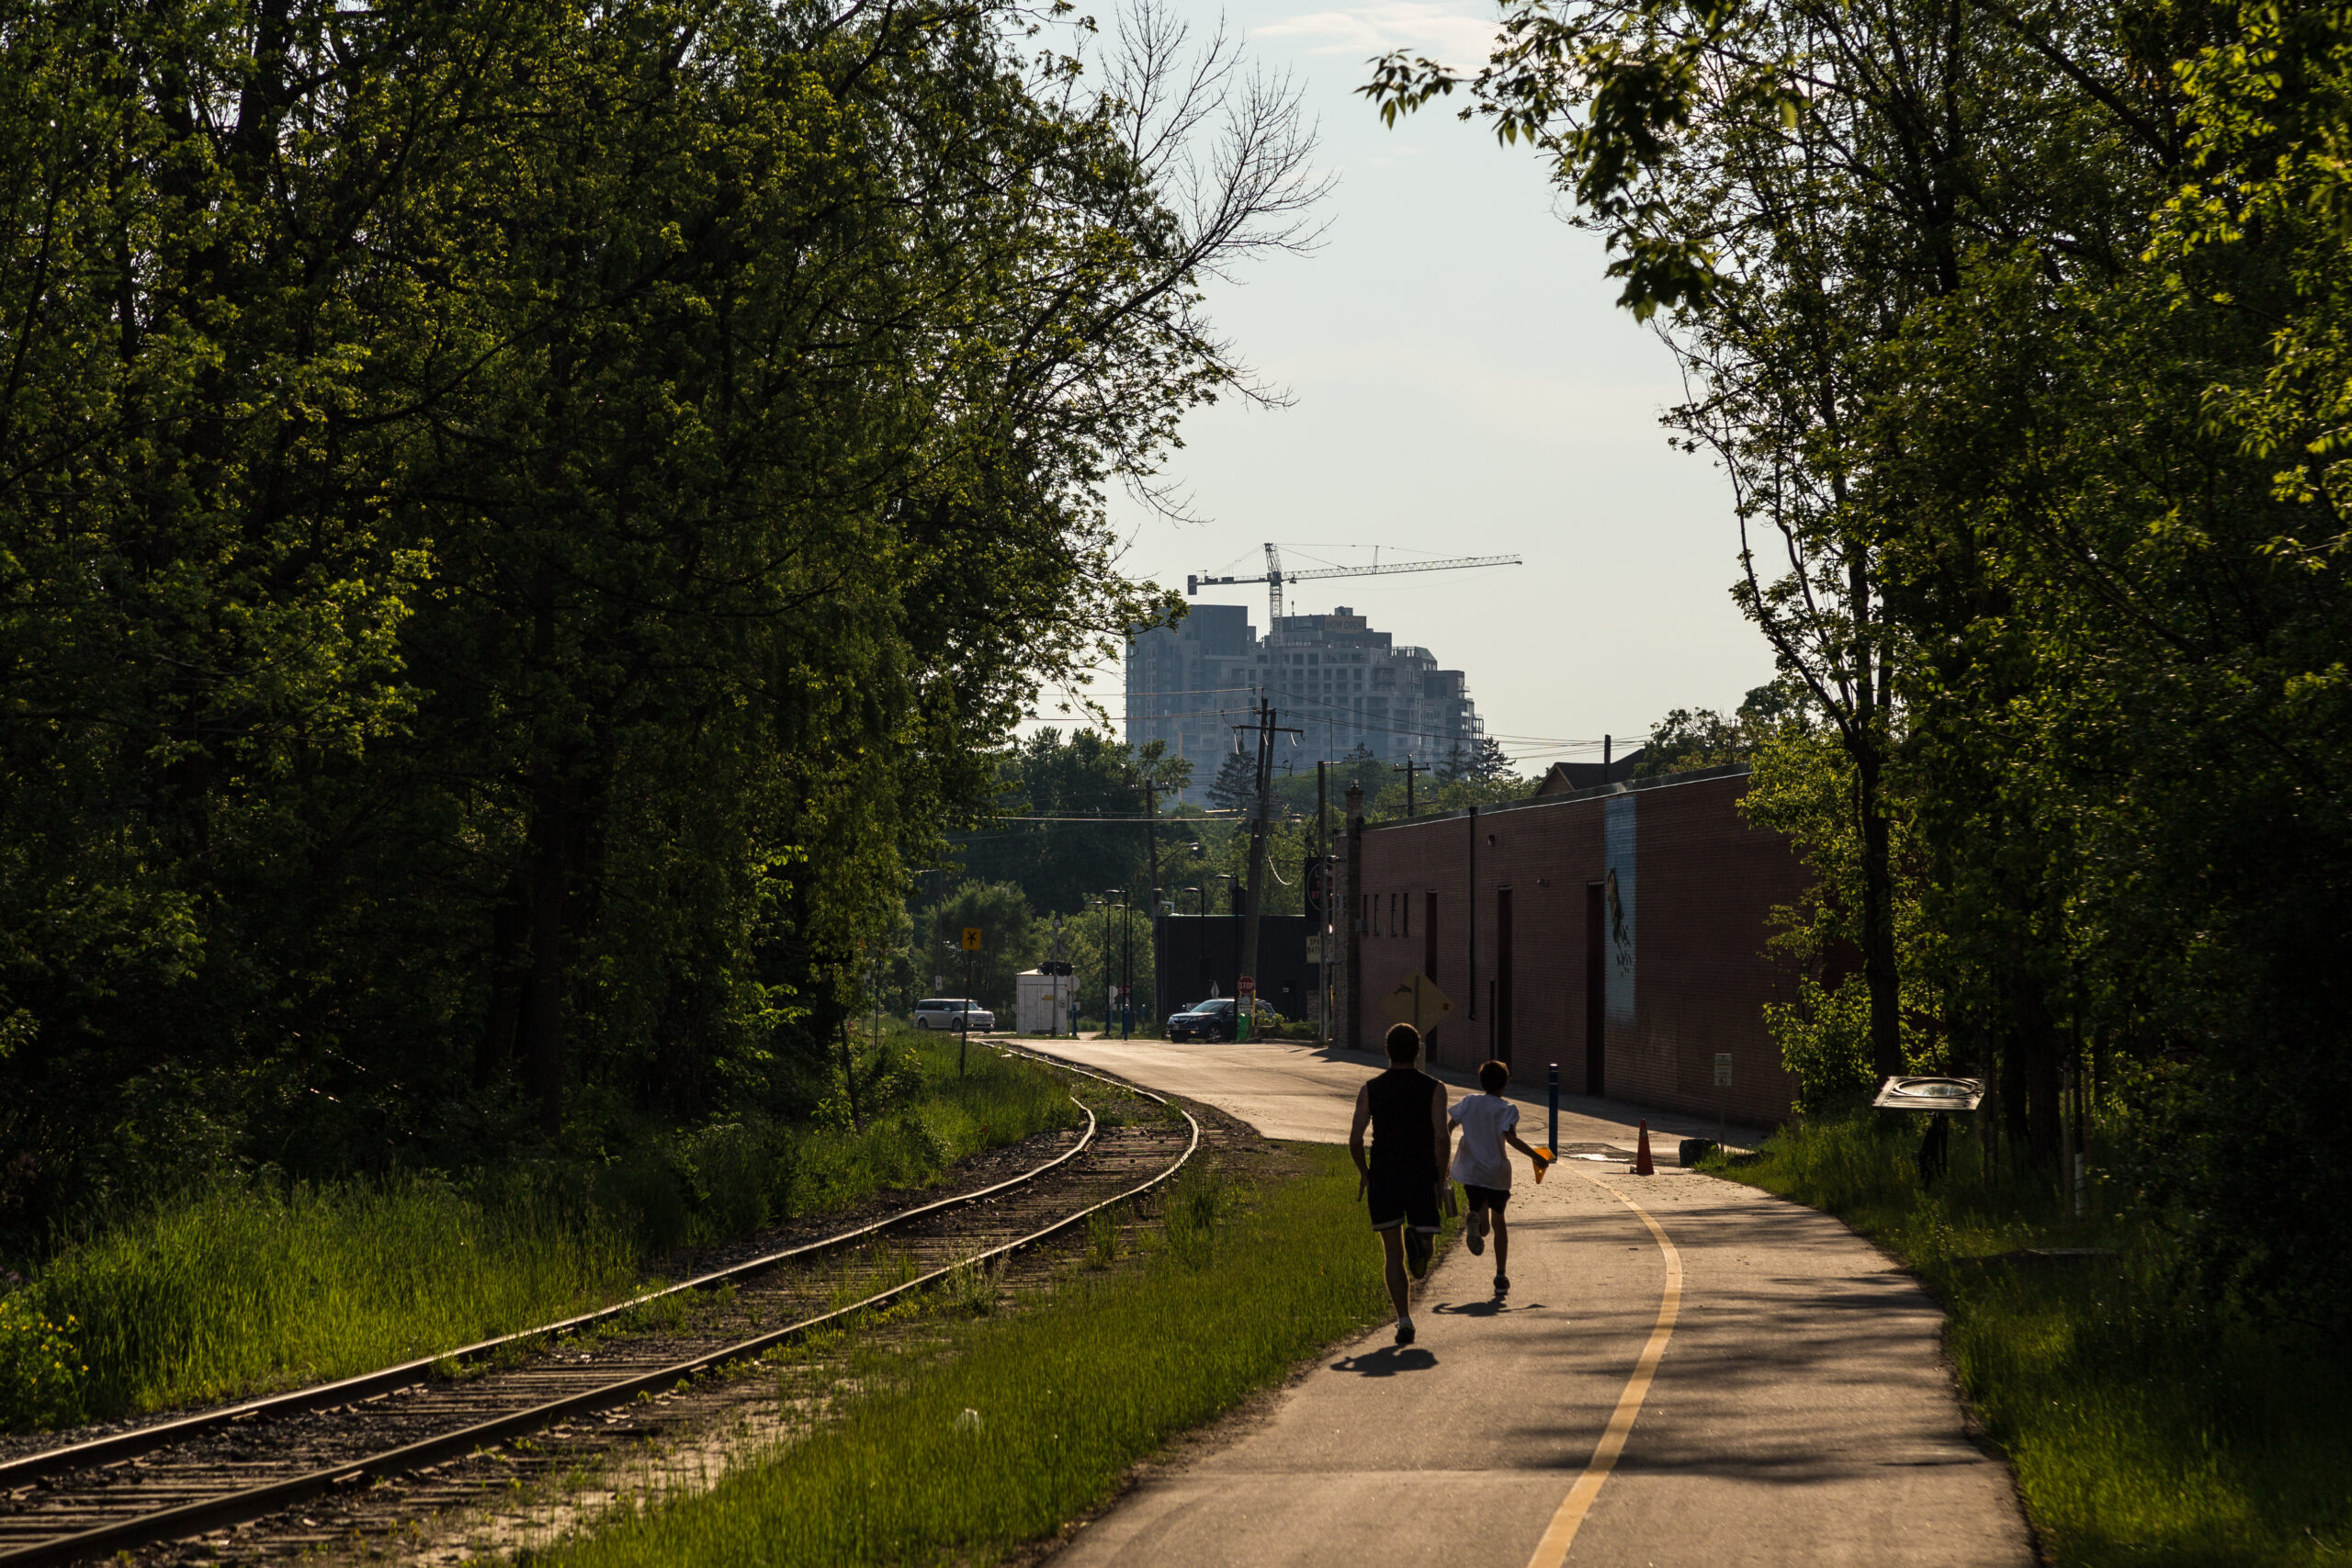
(971, 938)
(1417, 1001)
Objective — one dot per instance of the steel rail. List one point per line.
(320, 1397)
(236, 1507)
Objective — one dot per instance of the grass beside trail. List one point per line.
(252, 1285)
(1062, 1395)
(2147, 1428)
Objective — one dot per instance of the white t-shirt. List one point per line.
(1480, 1159)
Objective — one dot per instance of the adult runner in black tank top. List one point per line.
(1404, 1143)
(1412, 1143)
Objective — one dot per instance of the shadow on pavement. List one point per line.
(1386, 1361)
(1487, 1308)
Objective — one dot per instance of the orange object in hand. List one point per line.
(1542, 1161)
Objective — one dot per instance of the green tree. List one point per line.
(518, 522)
(1011, 940)
(1048, 786)
(2019, 334)
(1235, 788)
(1481, 764)
(1687, 738)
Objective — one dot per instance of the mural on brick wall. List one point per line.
(1617, 849)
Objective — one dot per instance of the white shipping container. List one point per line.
(1041, 1003)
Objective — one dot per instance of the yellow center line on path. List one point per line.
(1553, 1549)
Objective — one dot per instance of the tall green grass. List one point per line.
(1034, 1415)
(2147, 1424)
(247, 1285)
(250, 1285)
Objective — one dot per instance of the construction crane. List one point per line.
(1275, 577)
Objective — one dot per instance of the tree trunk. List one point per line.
(542, 1019)
(2037, 1037)
(1871, 670)
(510, 971)
(1878, 920)
(849, 1077)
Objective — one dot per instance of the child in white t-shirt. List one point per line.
(1489, 1121)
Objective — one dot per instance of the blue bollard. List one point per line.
(1552, 1140)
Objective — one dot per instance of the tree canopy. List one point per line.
(517, 523)
(2020, 333)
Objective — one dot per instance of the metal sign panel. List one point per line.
(1723, 1069)
(971, 938)
(1417, 1001)
(1929, 1094)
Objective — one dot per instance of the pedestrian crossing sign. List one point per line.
(1417, 1001)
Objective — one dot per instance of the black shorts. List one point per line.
(1396, 1198)
(1487, 1197)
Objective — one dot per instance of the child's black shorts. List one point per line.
(1487, 1196)
(1396, 1198)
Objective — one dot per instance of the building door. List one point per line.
(1502, 975)
(1428, 950)
(1595, 977)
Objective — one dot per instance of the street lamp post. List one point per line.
(1204, 899)
(1097, 901)
(938, 926)
(1126, 962)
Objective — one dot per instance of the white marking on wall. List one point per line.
(1617, 893)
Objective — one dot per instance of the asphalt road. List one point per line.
(1801, 1412)
(1308, 1092)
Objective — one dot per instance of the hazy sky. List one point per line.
(1463, 384)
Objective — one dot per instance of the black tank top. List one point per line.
(1401, 1140)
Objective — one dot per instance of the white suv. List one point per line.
(953, 1014)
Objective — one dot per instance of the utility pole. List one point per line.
(938, 930)
(1470, 975)
(1410, 764)
(1351, 975)
(963, 1014)
(1321, 887)
(1152, 841)
(1260, 812)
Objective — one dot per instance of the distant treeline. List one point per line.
(2024, 336)
(519, 523)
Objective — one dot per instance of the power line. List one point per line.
(1530, 743)
(1163, 817)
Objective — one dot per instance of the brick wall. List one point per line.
(1682, 929)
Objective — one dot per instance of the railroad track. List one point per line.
(413, 1434)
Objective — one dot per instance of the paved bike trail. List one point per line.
(1801, 1412)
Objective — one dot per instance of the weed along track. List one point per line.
(292, 1475)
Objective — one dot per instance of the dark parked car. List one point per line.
(1213, 1020)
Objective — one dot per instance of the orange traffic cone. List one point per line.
(1642, 1166)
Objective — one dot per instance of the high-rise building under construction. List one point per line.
(1332, 676)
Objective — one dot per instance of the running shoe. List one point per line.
(1404, 1331)
(1475, 1233)
(1502, 1287)
(1418, 1247)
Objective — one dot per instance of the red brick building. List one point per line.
(1619, 931)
